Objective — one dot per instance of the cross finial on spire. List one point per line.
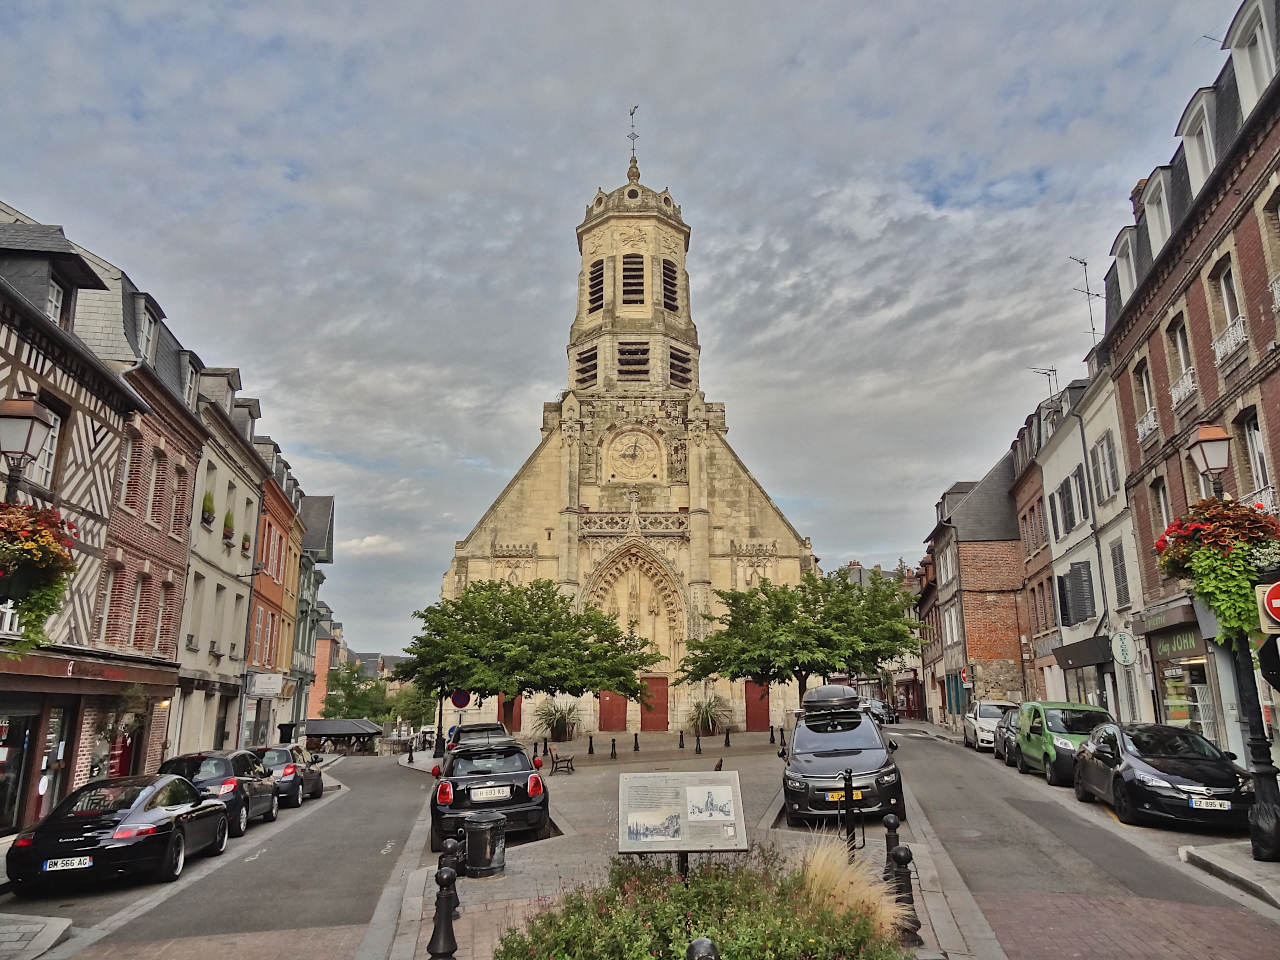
(633, 172)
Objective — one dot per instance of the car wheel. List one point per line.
(1050, 776)
(1008, 756)
(1077, 781)
(318, 792)
(437, 839)
(296, 801)
(1020, 761)
(175, 858)
(1122, 803)
(273, 811)
(219, 839)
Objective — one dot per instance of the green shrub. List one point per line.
(709, 715)
(754, 908)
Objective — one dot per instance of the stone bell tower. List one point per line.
(634, 501)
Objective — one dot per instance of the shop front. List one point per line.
(908, 694)
(1089, 672)
(1186, 687)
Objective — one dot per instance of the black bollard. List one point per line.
(452, 858)
(782, 738)
(771, 739)
(681, 739)
(702, 949)
(850, 840)
(613, 748)
(726, 737)
(535, 746)
(697, 743)
(636, 745)
(544, 747)
(909, 927)
(443, 944)
(591, 746)
(891, 824)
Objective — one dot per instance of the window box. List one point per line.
(1228, 343)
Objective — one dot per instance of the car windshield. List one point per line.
(495, 761)
(1074, 721)
(1164, 742)
(275, 757)
(835, 732)
(197, 768)
(991, 711)
(100, 798)
(482, 733)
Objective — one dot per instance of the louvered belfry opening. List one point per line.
(633, 360)
(586, 369)
(595, 287)
(633, 278)
(681, 368)
(670, 288)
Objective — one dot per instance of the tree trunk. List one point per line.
(803, 680)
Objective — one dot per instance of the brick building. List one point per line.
(56, 702)
(932, 670)
(980, 577)
(1193, 300)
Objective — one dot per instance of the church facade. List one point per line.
(633, 500)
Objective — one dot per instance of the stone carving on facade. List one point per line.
(632, 237)
(594, 244)
(525, 550)
(666, 587)
(752, 561)
(460, 574)
(678, 468)
(664, 524)
(697, 431)
(572, 431)
(671, 245)
(672, 409)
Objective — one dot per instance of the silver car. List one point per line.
(980, 722)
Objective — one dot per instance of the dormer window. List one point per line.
(633, 278)
(146, 333)
(59, 306)
(193, 384)
(1196, 130)
(1122, 250)
(1155, 204)
(1248, 39)
(595, 287)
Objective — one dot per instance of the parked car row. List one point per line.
(1145, 771)
(148, 825)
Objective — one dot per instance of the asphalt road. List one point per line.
(315, 874)
(1055, 881)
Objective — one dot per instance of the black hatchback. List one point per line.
(296, 770)
(832, 736)
(236, 777)
(1158, 772)
(494, 776)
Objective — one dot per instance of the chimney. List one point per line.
(1135, 198)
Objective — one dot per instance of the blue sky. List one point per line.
(370, 211)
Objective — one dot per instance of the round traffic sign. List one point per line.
(1271, 600)
(460, 698)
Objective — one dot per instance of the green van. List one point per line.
(1048, 735)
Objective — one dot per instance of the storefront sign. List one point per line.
(1175, 644)
(1083, 653)
(1152, 620)
(1124, 649)
(265, 684)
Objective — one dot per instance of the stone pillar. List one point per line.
(571, 435)
(699, 526)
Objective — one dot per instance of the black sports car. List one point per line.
(488, 776)
(832, 736)
(1149, 770)
(127, 825)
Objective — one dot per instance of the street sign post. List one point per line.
(1269, 607)
(460, 698)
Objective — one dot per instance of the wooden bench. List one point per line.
(560, 763)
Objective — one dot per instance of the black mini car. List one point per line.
(1149, 771)
(833, 735)
(488, 776)
(128, 825)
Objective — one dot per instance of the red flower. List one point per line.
(1258, 506)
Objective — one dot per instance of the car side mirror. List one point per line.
(783, 753)
(435, 771)
(893, 745)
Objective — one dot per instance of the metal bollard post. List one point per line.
(702, 949)
(891, 824)
(613, 748)
(909, 929)
(535, 746)
(636, 745)
(850, 840)
(452, 858)
(782, 738)
(771, 738)
(591, 746)
(443, 944)
(726, 737)
(697, 743)
(681, 739)
(544, 747)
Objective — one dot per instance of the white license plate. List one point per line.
(69, 863)
(490, 793)
(1210, 804)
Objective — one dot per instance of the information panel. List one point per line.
(680, 812)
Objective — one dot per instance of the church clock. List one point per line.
(633, 456)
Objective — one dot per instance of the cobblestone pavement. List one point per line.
(25, 937)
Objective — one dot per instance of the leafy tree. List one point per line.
(413, 704)
(498, 637)
(351, 694)
(775, 633)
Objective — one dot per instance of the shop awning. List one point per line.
(1084, 653)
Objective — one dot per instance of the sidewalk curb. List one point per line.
(1194, 857)
(54, 931)
(958, 922)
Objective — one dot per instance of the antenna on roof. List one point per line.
(1050, 374)
(1205, 36)
(1089, 296)
(633, 136)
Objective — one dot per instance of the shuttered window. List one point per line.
(1075, 594)
(1113, 466)
(586, 369)
(1053, 510)
(1064, 602)
(681, 368)
(633, 278)
(1120, 573)
(633, 360)
(1067, 507)
(595, 287)
(1082, 492)
(670, 289)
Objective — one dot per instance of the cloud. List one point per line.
(373, 218)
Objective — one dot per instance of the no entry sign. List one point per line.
(460, 698)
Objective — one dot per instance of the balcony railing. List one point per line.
(1263, 495)
(1230, 340)
(1184, 388)
(1147, 424)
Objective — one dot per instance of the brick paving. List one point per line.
(1061, 926)
(313, 943)
(22, 936)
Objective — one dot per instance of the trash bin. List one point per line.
(486, 844)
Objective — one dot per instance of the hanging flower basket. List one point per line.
(35, 565)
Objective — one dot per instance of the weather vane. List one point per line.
(633, 136)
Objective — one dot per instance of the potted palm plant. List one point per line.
(559, 721)
(708, 715)
(35, 565)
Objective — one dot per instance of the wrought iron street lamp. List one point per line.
(25, 425)
(1211, 453)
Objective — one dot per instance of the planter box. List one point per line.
(17, 585)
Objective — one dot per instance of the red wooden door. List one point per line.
(509, 712)
(613, 711)
(757, 705)
(653, 715)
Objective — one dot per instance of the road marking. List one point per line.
(387, 848)
(261, 851)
